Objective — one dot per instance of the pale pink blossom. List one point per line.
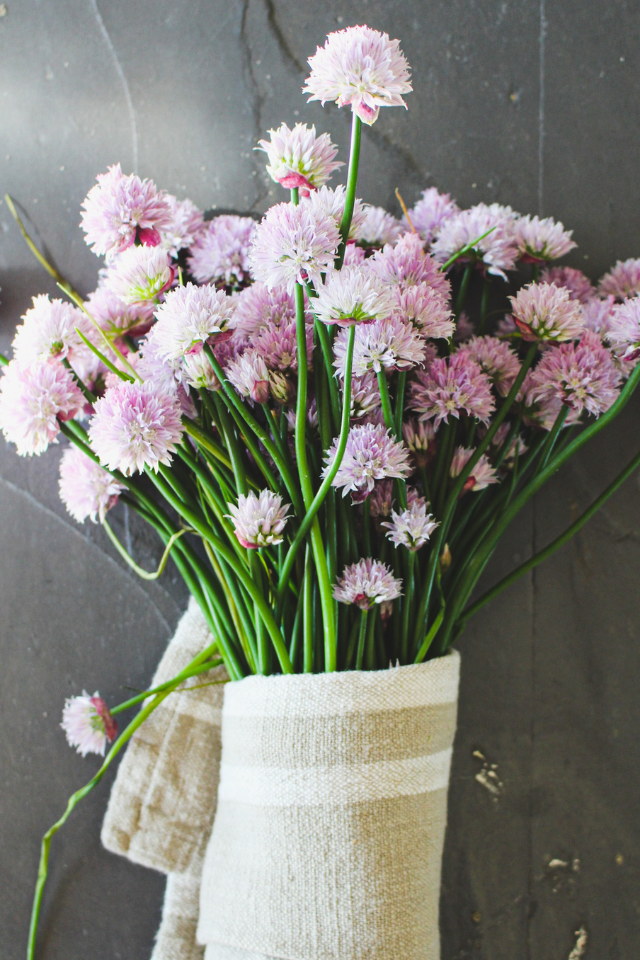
(278, 346)
(120, 209)
(381, 499)
(366, 583)
(248, 374)
(581, 375)
(187, 222)
(498, 360)
(579, 286)
(221, 250)
(329, 202)
(542, 239)
(354, 256)
(430, 212)
(48, 330)
(496, 252)
(420, 438)
(371, 454)
(293, 245)
(353, 295)
(542, 311)
(257, 306)
(299, 158)
(86, 489)
(390, 344)
(406, 263)
(33, 399)
(116, 317)
(623, 331)
(411, 528)
(365, 395)
(190, 317)
(88, 724)
(198, 372)
(259, 521)
(140, 274)
(622, 281)
(483, 473)
(379, 227)
(597, 314)
(451, 386)
(136, 426)
(425, 308)
(361, 68)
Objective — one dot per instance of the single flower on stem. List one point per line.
(121, 209)
(140, 274)
(361, 68)
(298, 158)
(390, 344)
(451, 386)
(259, 521)
(406, 264)
(88, 724)
(258, 306)
(496, 358)
(292, 245)
(496, 252)
(366, 583)
(249, 375)
(190, 317)
(86, 488)
(277, 345)
(413, 527)
(32, 401)
(581, 375)
(540, 240)
(353, 295)
(136, 426)
(483, 473)
(220, 253)
(371, 454)
(426, 309)
(430, 212)
(48, 330)
(622, 281)
(542, 311)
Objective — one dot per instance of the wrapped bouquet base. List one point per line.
(328, 835)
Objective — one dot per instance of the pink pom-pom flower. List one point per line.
(88, 724)
(32, 401)
(86, 488)
(366, 583)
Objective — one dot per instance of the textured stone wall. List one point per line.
(527, 102)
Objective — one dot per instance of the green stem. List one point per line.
(145, 694)
(400, 390)
(362, 635)
(144, 574)
(406, 607)
(352, 180)
(387, 410)
(51, 270)
(462, 293)
(307, 614)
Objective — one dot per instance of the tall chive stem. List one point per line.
(362, 636)
(352, 180)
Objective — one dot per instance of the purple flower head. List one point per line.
(379, 227)
(329, 202)
(420, 438)
(366, 583)
(249, 375)
(498, 360)
(120, 209)
(86, 489)
(259, 521)
(372, 454)
(623, 331)
(88, 724)
(540, 240)
(257, 306)
(451, 386)
(483, 473)
(187, 222)
(361, 68)
(353, 295)
(381, 499)
(597, 314)
(622, 281)
(391, 344)
(135, 426)
(221, 250)
(365, 396)
(190, 317)
(115, 316)
(33, 399)
(464, 328)
(498, 250)
(578, 285)
(299, 158)
(405, 263)
(423, 307)
(277, 345)
(48, 330)
(354, 256)
(431, 211)
(411, 528)
(581, 375)
(140, 274)
(197, 372)
(293, 245)
(542, 311)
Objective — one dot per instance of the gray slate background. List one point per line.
(528, 103)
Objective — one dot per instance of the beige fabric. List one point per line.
(163, 799)
(328, 836)
(176, 938)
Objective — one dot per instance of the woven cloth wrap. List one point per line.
(328, 835)
(163, 799)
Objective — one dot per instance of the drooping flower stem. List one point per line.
(352, 180)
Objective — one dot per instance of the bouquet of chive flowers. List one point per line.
(330, 444)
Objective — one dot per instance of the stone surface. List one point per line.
(527, 103)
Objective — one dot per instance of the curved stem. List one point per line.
(144, 574)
